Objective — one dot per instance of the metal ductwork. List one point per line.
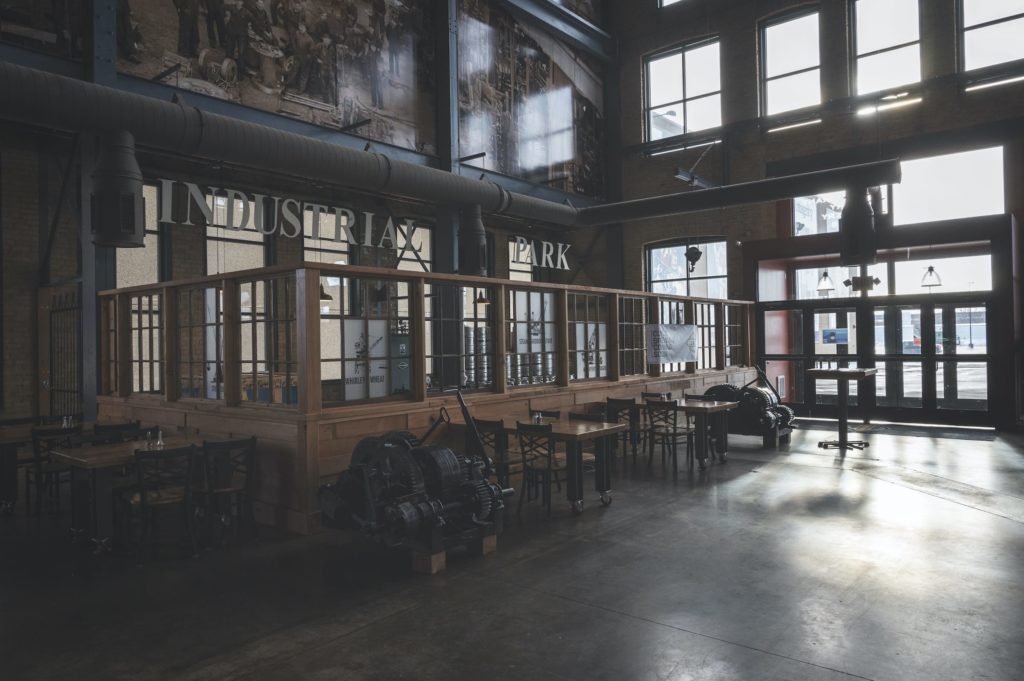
(805, 184)
(37, 98)
(118, 207)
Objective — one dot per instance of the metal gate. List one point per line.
(60, 350)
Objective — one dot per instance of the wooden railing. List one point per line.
(320, 335)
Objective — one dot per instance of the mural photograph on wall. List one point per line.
(51, 26)
(334, 63)
(530, 104)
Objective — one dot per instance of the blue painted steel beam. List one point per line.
(564, 25)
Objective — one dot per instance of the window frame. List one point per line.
(855, 57)
(763, 78)
(981, 73)
(646, 107)
(686, 242)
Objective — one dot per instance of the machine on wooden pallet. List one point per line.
(402, 493)
(761, 412)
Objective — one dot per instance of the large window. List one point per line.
(669, 271)
(520, 261)
(992, 32)
(950, 187)
(887, 44)
(232, 240)
(140, 266)
(684, 91)
(817, 214)
(791, 78)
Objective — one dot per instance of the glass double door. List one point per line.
(931, 357)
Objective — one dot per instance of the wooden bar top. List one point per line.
(841, 374)
(92, 457)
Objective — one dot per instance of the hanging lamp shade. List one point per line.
(825, 284)
(931, 278)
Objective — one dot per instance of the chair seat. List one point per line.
(169, 495)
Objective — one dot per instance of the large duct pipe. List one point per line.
(43, 99)
(773, 189)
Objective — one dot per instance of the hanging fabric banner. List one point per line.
(669, 343)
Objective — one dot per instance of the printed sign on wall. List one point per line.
(670, 343)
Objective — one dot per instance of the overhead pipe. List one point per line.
(856, 177)
(38, 98)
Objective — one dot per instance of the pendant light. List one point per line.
(931, 279)
(324, 295)
(825, 285)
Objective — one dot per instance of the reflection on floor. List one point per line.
(905, 561)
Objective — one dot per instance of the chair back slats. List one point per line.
(227, 464)
(492, 434)
(595, 418)
(662, 413)
(45, 439)
(535, 440)
(160, 470)
(617, 409)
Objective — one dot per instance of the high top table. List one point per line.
(842, 377)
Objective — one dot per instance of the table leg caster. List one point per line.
(606, 498)
(576, 507)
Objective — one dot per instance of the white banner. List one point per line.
(668, 343)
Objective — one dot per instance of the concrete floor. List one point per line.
(903, 562)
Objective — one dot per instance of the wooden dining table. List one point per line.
(575, 434)
(703, 411)
(93, 473)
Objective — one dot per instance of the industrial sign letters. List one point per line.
(248, 211)
(550, 255)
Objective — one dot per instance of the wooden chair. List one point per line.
(43, 473)
(616, 411)
(540, 465)
(223, 483)
(666, 431)
(104, 433)
(494, 437)
(645, 426)
(163, 482)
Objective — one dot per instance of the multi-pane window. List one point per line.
(887, 44)
(672, 312)
(669, 270)
(631, 336)
(992, 32)
(141, 266)
(818, 214)
(532, 337)
(735, 334)
(520, 261)
(365, 341)
(147, 345)
(459, 338)
(201, 342)
(792, 64)
(588, 336)
(684, 91)
(232, 241)
(704, 320)
(268, 341)
(978, 189)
